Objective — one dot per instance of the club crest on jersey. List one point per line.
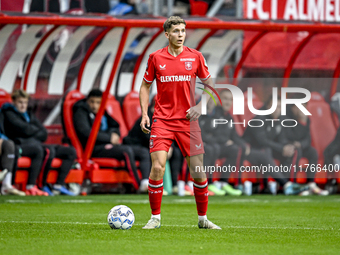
(162, 67)
(188, 66)
(151, 143)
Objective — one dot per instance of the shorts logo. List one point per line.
(198, 147)
(188, 66)
(151, 143)
(162, 67)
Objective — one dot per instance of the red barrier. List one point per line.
(108, 21)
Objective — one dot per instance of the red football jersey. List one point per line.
(176, 78)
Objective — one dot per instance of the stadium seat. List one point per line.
(67, 119)
(100, 170)
(131, 109)
(4, 97)
(113, 108)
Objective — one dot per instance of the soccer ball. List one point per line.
(120, 217)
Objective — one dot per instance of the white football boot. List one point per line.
(152, 224)
(207, 224)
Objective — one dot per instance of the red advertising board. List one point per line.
(312, 10)
(274, 49)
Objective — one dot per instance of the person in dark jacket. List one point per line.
(332, 149)
(300, 137)
(211, 148)
(7, 163)
(268, 142)
(107, 143)
(28, 133)
(228, 142)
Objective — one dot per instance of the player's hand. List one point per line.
(288, 150)
(297, 144)
(247, 152)
(145, 122)
(229, 142)
(114, 138)
(193, 113)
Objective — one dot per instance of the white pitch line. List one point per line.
(79, 201)
(53, 222)
(15, 201)
(182, 226)
(179, 200)
(142, 201)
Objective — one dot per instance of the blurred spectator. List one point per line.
(300, 137)
(271, 141)
(107, 143)
(55, 6)
(211, 148)
(125, 7)
(332, 149)
(7, 163)
(28, 133)
(98, 6)
(45, 6)
(229, 143)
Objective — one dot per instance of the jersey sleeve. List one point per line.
(149, 74)
(202, 70)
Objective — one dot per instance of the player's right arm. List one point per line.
(144, 93)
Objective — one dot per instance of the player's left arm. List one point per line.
(195, 112)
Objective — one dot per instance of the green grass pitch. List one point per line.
(250, 225)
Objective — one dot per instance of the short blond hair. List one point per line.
(19, 93)
(173, 20)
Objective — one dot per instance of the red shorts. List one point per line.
(189, 142)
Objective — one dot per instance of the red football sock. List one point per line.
(201, 197)
(155, 195)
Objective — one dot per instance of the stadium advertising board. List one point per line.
(312, 10)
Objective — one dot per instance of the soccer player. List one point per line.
(175, 68)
